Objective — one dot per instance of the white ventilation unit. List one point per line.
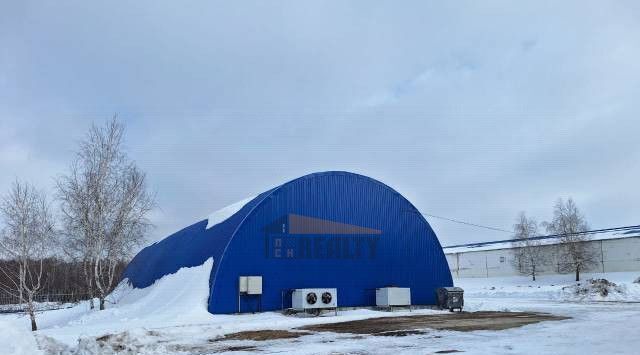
(393, 296)
(314, 299)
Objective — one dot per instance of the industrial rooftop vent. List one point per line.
(314, 300)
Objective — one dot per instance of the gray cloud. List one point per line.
(474, 111)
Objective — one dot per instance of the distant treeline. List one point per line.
(63, 281)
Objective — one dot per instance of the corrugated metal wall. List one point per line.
(407, 252)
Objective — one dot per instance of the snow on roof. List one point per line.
(506, 244)
(224, 213)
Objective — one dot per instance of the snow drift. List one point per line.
(179, 297)
(17, 341)
(176, 299)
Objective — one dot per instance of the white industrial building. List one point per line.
(616, 250)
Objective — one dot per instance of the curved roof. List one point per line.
(193, 245)
(188, 247)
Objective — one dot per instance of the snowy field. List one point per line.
(170, 317)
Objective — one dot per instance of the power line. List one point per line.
(628, 229)
(633, 228)
(468, 223)
(593, 231)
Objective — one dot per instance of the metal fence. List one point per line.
(44, 302)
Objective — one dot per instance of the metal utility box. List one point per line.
(314, 298)
(250, 285)
(393, 296)
(450, 298)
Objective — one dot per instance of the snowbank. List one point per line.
(175, 299)
(15, 340)
(596, 289)
(179, 297)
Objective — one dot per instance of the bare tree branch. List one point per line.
(568, 222)
(28, 237)
(529, 256)
(104, 203)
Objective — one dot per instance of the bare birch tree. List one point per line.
(529, 255)
(104, 203)
(569, 224)
(79, 250)
(28, 238)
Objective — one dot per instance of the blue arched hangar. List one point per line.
(333, 230)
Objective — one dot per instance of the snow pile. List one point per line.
(174, 300)
(121, 343)
(138, 341)
(17, 340)
(596, 290)
(223, 214)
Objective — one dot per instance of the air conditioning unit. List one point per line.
(393, 296)
(314, 299)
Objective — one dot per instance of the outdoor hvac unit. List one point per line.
(313, 300)
(393, 296)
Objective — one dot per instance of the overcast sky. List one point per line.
(473, 110)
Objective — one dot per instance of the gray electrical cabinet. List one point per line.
(250, 285)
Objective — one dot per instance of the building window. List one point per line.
(502, 259)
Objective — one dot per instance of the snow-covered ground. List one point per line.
(560, 288)
(171, 317)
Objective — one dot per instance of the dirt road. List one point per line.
(464, 321)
